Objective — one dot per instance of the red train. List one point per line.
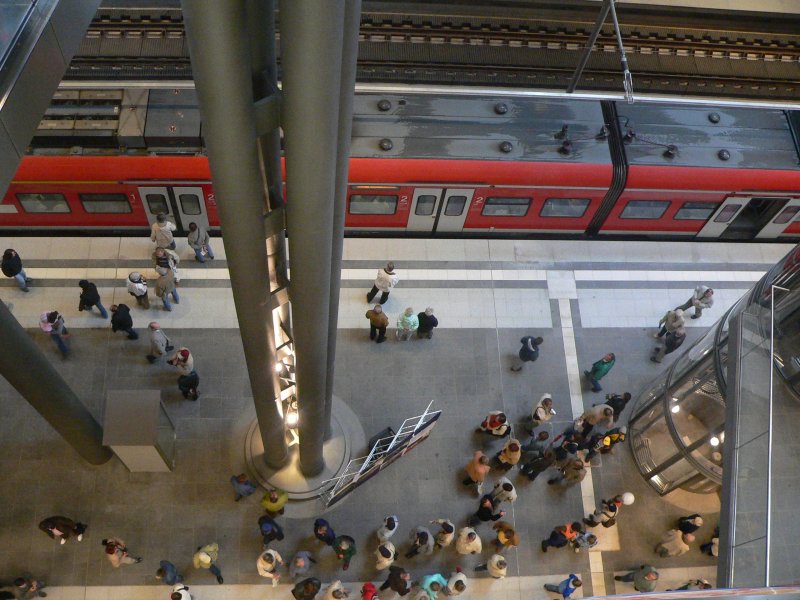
(449, 164)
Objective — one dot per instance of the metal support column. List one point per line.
(217, 34)
(352, 24)
(34, 377)
(311, 56)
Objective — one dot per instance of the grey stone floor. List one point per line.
(168, 515)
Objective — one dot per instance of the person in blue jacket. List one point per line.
(566, 587)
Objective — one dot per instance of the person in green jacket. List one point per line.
(407, 324)
(345, 548)
(599, 370)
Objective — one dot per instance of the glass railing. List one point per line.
(13, 16)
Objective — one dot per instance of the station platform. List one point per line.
(583, 298)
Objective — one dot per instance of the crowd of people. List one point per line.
(565, 456)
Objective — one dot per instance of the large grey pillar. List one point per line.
(217, 35)
(352, 26)
(33, 375)
(311, 54)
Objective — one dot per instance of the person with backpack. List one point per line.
(52, 323)
(137, 287)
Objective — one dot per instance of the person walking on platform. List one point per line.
(12, 267)
(336, 591)
(385, 282)
(121, 320)
(487, 511)
(432, 584)
(599, 370)
(388, 528)
(385, 555)
(206, 558)
(188, 380)
(167, 259)
(672, 320)
(399, 581)
(570, 474)
(267, 563)
(168, 573)
(62, 528)
(644, 578)
(161, 232)
(702, 298)
(457, 584)
(599, 414)
(165, 287)
(159, 342)
(324, 532)
(269, 529)
(137, 287)
(468, 541)
(495, 423)
(274, 501)
(369, 591)
(378, 322)
(26, 588)
(89, 298)
(535, 447)
(345, 548)
(180, 592)
(509, 455)
(307, 589)
(674, 544)
(200, 242)
(477, 469)
(427, 323)
(604, 443)
(690, 524)
(672, 342)
(566, 587)
(407, 324)
(446, 533)
(618, 403)
(533, 468)
(421, 542)
(117, 553)
(497, 566)
(507, 537)
(529, 351)
(301, 564)
(542, 412)
(608, 512)
(52, 323)
(504, 491)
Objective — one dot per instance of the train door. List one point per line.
(182, 205)
(745, 217)
(437, 209)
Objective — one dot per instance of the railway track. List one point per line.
(468, 49)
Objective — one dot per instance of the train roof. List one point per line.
(708, 136)
(478, 127)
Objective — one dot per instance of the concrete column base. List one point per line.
(347, 441)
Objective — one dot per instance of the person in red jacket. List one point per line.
(369, 591)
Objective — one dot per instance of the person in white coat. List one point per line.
(268, 561)
(137, 287)
(703, 297)
(180, 592)
(542, 412)
(503, 491)
(421, 542)
(497, 566)
(161, 232)
(385, 555)
(457, 584)
(674, 543)
(468, 541)
(447, 533)
(672, 320)
(336, 591)
(384, 282)
(390, 525)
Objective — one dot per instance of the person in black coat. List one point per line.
(486, 512)
(399, 581)
(529, 351)
(618, 403)
(690, 524)
(90, 297)
(307, 589)
(426, 323)
(12, 267)
(532, 469)
(121, 320)
(270, 530)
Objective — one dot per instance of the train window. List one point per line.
(157, 204)
(645, 209)
(727, 213)
(425, 205)
(43, 203)
(786, 215)
(565, 207)
(190, 204)
(506, 207)
(695, 211)
(455, 206)
(105, 203)
(368, 204)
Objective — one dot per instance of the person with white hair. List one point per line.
(407, 324)
(690, 524)
(137, 287)
(703, 297)
(427, 322)
(384, 282)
